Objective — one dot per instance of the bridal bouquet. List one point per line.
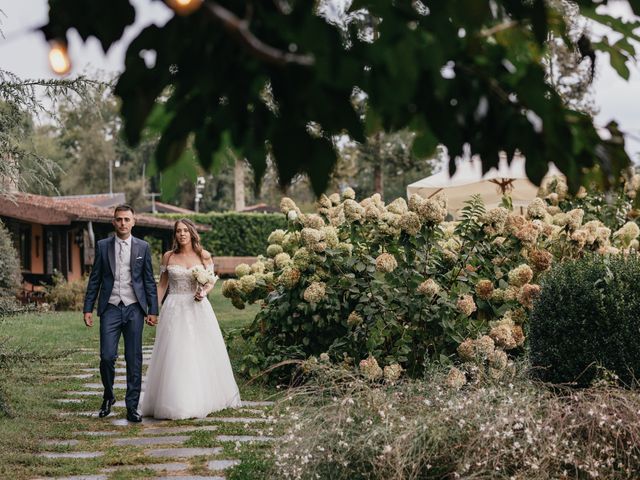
(204, 277)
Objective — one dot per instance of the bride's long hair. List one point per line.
(195, 238)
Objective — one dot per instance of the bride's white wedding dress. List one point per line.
(189, 374)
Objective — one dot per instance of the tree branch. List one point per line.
(498, 28)
(239, 29)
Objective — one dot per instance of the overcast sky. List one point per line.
(23, 52)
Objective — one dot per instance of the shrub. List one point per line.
(588, 316)
(395, 282)
(10, 276)
(424, 429)
(236, 234)
(65, 295)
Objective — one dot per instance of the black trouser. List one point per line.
(128, 320)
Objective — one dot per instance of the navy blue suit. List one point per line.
(125, 320)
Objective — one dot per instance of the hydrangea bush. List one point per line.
(400, 285)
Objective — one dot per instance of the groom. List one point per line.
(123, 275)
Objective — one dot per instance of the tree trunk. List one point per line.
(378, 180)
(238, 184)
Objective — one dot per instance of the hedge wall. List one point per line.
(236, 234)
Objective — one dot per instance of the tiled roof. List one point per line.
(99, 199)
(63, 211)
(168, 208)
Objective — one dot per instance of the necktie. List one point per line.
(121, 252)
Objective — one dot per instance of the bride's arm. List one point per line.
(164, 277)
(208, 264)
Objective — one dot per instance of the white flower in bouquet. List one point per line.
(204, 276)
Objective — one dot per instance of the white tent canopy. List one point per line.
(468, 180)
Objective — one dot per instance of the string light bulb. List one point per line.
(59, 60)
(184, 7)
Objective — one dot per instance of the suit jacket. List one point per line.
(104, 267)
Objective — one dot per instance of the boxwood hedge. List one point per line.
(236, 234)
(588, 316)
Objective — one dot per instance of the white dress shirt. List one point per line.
(122, 285)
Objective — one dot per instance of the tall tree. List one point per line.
(570, 65)
(97, 158)
(22, 166)
(384, 164)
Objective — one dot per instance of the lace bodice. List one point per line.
(181, 280)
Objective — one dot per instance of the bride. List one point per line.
(189, 373)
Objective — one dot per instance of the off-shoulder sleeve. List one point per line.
(163, 268)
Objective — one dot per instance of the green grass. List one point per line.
(52, 345)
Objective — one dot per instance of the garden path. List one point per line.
(185, 449)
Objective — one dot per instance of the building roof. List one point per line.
(63, 211)
(167, 208)
(260, 207)
(99, 199)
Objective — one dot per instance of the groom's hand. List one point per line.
(88, 319)
(152, 320)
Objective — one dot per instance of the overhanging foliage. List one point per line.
(456, 72)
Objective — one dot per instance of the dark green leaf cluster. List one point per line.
(588, 316)
(457, 73)
(9, 271)
(236, 234)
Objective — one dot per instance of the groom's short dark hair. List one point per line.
(123, 207)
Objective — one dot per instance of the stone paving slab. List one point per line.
(88, 393)
(96, 434)
(82, 376)
(236, 420)
(185, 429)
(90, 370)
(243, 438)
(158, 467)
(100, 386)
(222, 464)
(123, 422)
(69, 400)
(138, 441)
(254, 411)
(61, 443)
(113, 413)
(123, 378)
(83, 477)
(250, 403)
(182, 452)
(71, 454)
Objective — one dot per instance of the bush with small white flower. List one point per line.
(398, 284)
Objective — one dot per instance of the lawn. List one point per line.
(55, 345)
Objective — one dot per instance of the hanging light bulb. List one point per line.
(59, 60)
(184, 7)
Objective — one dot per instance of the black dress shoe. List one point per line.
(105, 409)
(133, 415)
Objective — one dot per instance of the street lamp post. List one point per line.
(199, 188)
(112, 164)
